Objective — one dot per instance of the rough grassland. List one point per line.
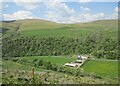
(10, 65)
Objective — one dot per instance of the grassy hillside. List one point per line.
(35, 24)
(11, 27)
(56, 33)
(104, 24)
(8, 28)
(13, 66)
(43, 28)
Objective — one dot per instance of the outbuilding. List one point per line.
(70, 65)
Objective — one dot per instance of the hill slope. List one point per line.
(44, 28)
(34, 24)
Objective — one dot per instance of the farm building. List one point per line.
(80, 57)
(70, 64)
(77, 63)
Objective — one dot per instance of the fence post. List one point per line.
(33, 72)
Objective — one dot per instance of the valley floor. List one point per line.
(106, 69)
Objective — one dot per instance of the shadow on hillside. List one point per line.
(3, 30)
(65, 28)
(9, 21)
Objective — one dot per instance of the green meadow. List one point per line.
(102, 68)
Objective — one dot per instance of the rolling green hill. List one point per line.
(35, 24)
(41, 37)
(44, 28)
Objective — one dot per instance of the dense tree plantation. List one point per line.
(96, 44)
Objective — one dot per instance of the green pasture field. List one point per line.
(60, 60)
(102, 67)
